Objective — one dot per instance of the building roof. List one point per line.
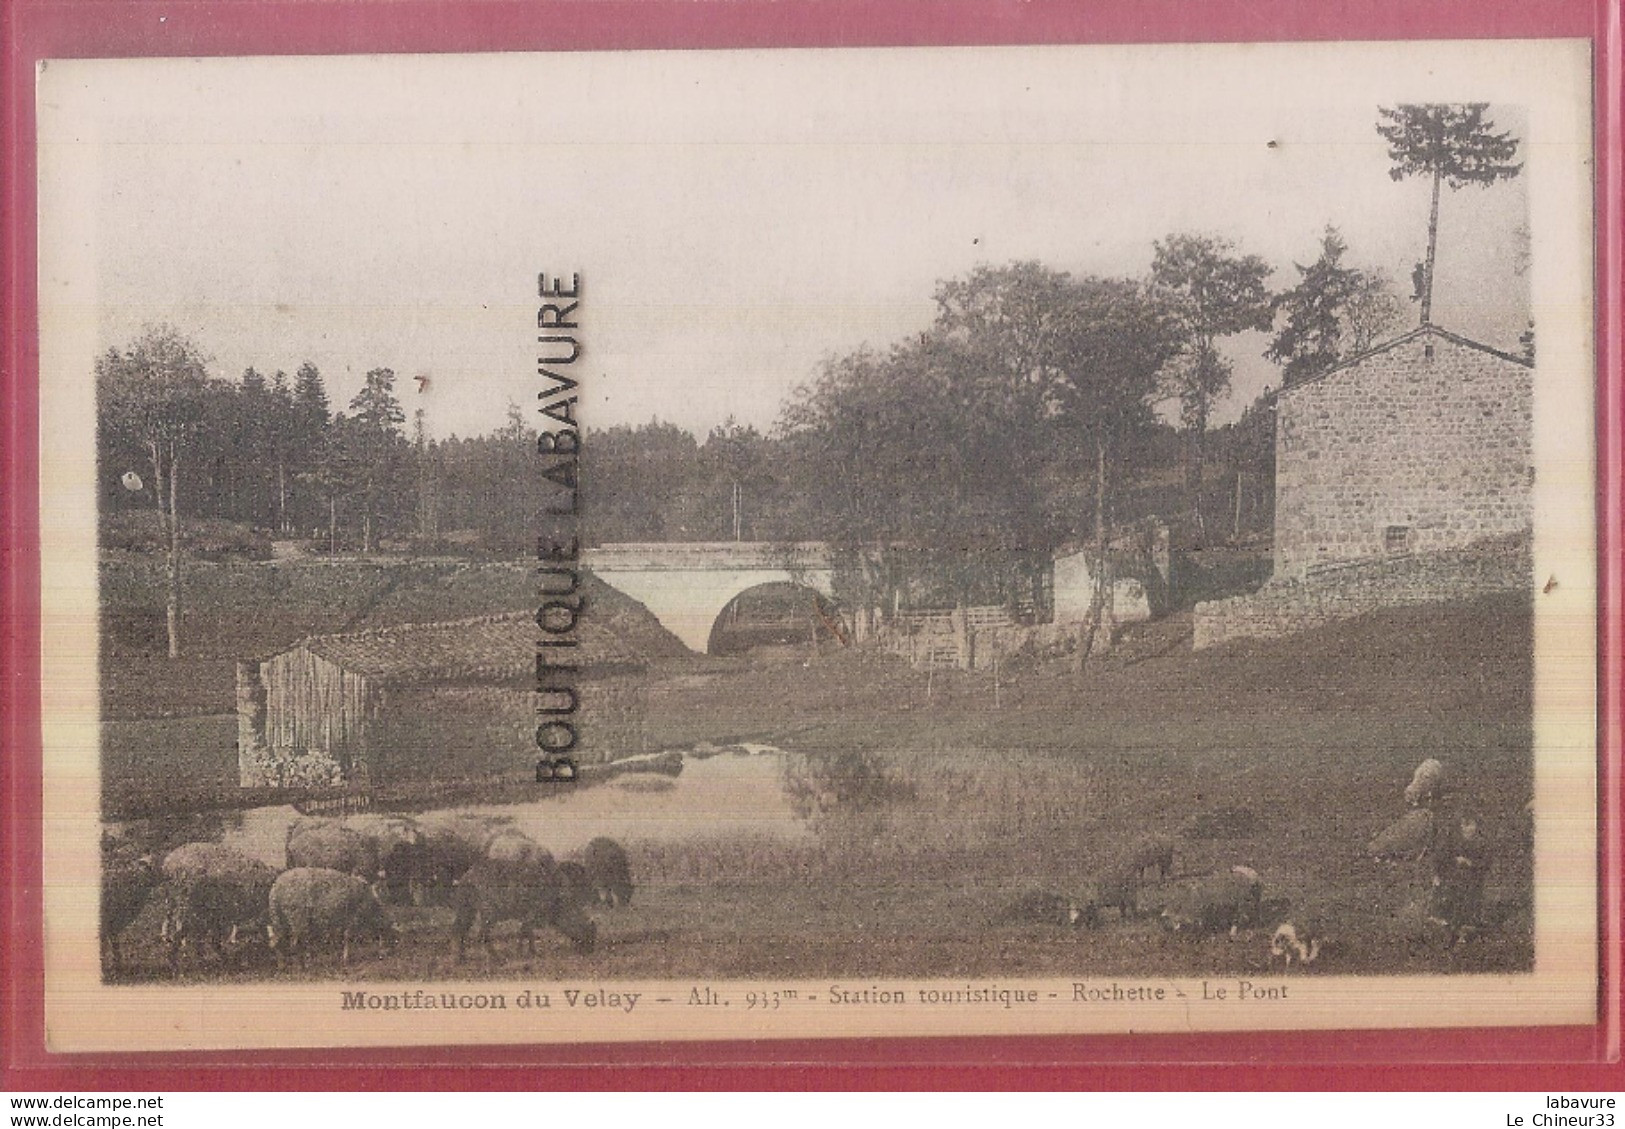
(487, 648)
(1419, 331)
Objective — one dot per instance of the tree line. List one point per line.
(1025, 417)
(955, 462)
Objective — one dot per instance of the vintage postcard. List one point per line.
(599, 547)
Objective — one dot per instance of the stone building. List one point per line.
(1403, 476)
(1421, 445)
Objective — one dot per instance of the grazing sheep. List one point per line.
(434, 865)
(1219, 903)
(1427, 784)
(399, 845)
(332, 846)
(574, 884)
(214, 859)
(313, 905)
(1119, 890)
(455, 841)
(1039, 907)
(514, 846)
(1157, 851)
(215, 894)
(465, 827)
(1408, 837)
(388, 831)
(608, 872)
(1119, 887)
(1293, 942)
(126, 886)
(530, 891)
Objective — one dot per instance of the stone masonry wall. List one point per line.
(1402, 454)
(1286, 607)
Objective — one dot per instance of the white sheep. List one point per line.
(310, 905)
(215, 895)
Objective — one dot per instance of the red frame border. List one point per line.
(1513, 1059)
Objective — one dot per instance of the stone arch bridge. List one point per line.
(688, 585)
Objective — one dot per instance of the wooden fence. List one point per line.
(944, 640)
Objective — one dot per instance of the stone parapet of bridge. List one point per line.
(638, 556)
(686, 585)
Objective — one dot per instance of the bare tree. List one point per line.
(153, 391)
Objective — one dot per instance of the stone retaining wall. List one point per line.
(1288, 607)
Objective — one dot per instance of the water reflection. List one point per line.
(739, 792)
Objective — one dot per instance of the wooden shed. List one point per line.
(451, 699)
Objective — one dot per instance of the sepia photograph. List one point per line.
(616, 546)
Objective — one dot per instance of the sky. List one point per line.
(735, 217)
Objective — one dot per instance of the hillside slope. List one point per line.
(235, 611)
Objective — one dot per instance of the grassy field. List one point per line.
(938, 800)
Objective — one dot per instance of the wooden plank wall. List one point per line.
(312, 703)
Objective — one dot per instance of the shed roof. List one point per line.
(493, 648)
(1419, 331)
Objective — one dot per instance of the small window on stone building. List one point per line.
(1396, 539)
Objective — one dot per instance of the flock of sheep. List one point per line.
(1431, 833)
(341, 877)
(1222, 902)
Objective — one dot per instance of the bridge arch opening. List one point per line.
(776, 619)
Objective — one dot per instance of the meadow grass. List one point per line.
(947, 803)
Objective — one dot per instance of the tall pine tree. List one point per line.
(1453, 144)
(377, 418)
(307, 436)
